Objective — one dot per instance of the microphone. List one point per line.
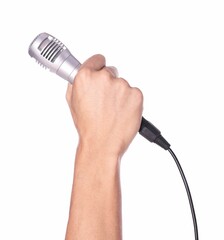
(52, 54)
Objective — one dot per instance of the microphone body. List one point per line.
(50, 53)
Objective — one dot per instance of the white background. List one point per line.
(174, 52)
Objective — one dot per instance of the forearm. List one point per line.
(95, 210)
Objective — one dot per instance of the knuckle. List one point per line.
(124, 82)
(137, 94)
(106, 73)
(84, 73)
(83, 76)
(112, 70)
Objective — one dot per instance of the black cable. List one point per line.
(153, 134)
(188, 193)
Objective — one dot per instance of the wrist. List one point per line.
(92, 159)
(95, 151)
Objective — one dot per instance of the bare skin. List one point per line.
(107, 114)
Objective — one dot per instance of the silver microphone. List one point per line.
(52, 54)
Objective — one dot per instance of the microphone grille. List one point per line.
(52, 54)
(48, 51)
(50, 48)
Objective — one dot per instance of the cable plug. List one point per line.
(153, 134)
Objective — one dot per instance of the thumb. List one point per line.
(94, 63)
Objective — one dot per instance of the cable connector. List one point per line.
(153, 134)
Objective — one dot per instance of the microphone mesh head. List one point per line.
(50, 48)
(50, 53)
(46, 49)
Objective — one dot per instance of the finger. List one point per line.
(95, 63)
(112, 70)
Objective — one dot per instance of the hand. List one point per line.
(106, 111)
